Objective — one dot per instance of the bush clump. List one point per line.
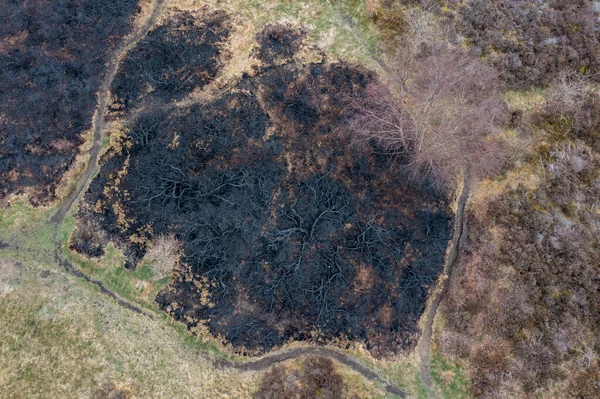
(316, 379)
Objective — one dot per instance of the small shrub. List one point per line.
(320, 380)
(164, 254)
(389, 17)
(112, 390)
(278, 384)
(572, 111)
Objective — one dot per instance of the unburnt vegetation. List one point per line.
(525, 308)
(52, 59)
(287, 233)
(317, 378)
(531, 42)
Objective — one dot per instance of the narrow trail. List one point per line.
(120, 301)
(98, 122)
(269, 360)
(457, 239)
(92, 167)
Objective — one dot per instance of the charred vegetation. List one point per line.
(287, 232)
(171, 60)
(52, 59)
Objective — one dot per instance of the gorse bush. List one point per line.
(164, 253)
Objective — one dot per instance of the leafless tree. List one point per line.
(438, 110)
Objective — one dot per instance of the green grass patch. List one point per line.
(134, 285)
(341, 27)
(60, 337)
(527, 100)
(449, 378)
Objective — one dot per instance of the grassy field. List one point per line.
(61, 337)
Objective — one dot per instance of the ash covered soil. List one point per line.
(288, 233)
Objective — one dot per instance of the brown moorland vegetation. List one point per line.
(525, 307)
(532, 42)
(316, 379)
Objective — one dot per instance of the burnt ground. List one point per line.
(278, 43)
(288, 233)
(171, 60)
(52, 61)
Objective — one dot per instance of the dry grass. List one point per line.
(68, 182)
(60, 337)
(346, 24)
(65, 340)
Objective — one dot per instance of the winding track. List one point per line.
(91, 170)
(457, 240)
(98, 125)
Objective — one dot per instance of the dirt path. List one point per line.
(457, 240)
(93, 166)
